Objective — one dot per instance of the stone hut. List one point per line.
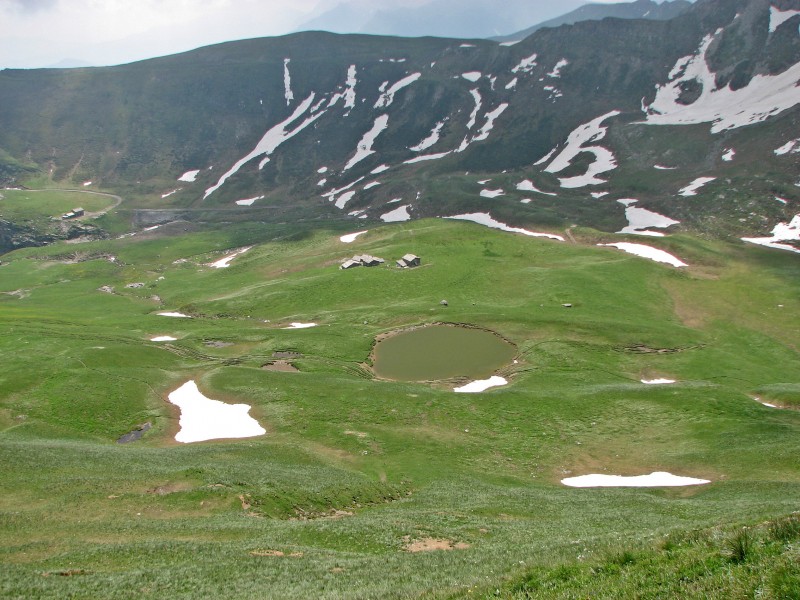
(363, 260)
(408, 261)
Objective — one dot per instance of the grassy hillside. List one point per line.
(354, 470)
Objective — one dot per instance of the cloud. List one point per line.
(27, 6)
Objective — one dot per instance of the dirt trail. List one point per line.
(117, 199)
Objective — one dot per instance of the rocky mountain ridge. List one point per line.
(593, 124)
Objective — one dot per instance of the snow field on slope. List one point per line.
(387, 97)
(647, 252)
(273, 138)
(604, 159)
(364, 148)
(487, 220)
(763, 97)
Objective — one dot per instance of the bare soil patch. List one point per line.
(433, 544)
(282, 366)
(217, 344)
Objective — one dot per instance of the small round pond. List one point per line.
(441, 352)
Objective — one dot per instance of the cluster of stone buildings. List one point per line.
(367, 260)
(362, 260)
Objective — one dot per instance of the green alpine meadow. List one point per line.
(354, 470)
(362, 317)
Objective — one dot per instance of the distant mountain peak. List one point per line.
(638, 9)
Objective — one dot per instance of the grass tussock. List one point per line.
(734, 562)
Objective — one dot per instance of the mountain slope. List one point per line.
(443, 18)
(549, 132)
(639, 9)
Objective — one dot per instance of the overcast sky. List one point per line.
(42, 33)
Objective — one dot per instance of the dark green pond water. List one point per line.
(441, 352)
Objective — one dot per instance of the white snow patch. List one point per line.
(472, 76)
(526, 64)
(174, 314)
(526, 201)
(371, 185)
(322, 182)
(342, 201)
(663, 168)
(163, 338)
(658, 381)
(467, 46)
(781, 200)
(271, 140)
(425, 157)
(527, 186)
(598, 195)
(205, 419)
(331, 196)
(168, 194)
(300, 326)
(387, 97)
(287, 82)
(476, 96)
(484, 181)
(792, 146)
(88, 183)
(763, 97)
(491, 117)
(349, 93)
(556, 72)
(648, 252)
(546, 157)
(512, 84)
(729, 154)
(484, 131)
(492, 193)
(224, 263)
(590, 132)
(322, 170)
(640, 219)
(783, 232)
(364, 148)
(379, 170)
(767, 404)
(487, 220)
(481, 385)
(657, 479)
(394, 201)
(432, 138)
(777, 17)
(249, 201)
(189, 176)
(691, 189)
(510, 43)
(397, 215)
(351, 237)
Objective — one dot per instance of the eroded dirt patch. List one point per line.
(275, 553)
(281, 366)
(433, 544)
